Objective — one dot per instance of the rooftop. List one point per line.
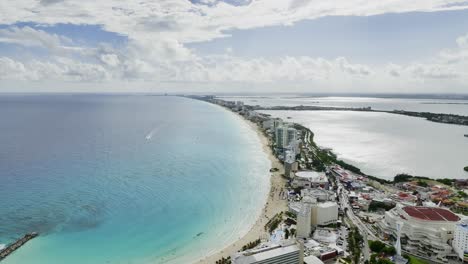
(431, 213)
(312, 260)
(327, 204)
(312, 176)
(263, 254)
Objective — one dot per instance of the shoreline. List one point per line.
(274, 204)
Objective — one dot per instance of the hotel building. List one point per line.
(460, 241)
(426, 231)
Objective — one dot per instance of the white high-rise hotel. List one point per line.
(460, 240)
(285, 135)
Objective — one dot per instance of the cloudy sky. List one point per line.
(417, 46)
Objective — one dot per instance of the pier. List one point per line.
(16, 245)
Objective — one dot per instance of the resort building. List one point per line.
(311, 213)
(290, 164)
(287, 252)
(426, 231)
(310, 179)
(321, 195)
(272, 124)
(285, 136)
(304, 220)
(460, 241)
(324, 213)
(312, 260)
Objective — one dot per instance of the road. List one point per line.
(363, 229)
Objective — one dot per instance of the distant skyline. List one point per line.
(234, 46)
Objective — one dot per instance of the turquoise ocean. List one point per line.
(125, 178)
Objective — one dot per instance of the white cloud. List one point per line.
(111, 60)
(184, 21)
(30, 37)
(158, 32)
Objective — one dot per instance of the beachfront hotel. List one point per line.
(285, 252)
(285, 136)
(310, 179)
(426, 231)
(311, 214)
(460, 241)
(290, 164)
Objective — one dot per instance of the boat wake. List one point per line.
(153, 132)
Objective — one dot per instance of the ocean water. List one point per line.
(459, 107)
(125, 178)
(384, 145)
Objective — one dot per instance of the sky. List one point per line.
(255, 46)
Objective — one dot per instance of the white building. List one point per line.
(426, 231)
(286, 253)
(272, 124)
(460, 241)
(285, 136)
(321, 195)
(324, 213)
(312, 260)
(310, 179)
(304, 220)
(311, 213)
(290, 164)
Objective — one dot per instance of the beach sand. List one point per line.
(273, 205)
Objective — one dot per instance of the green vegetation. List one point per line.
(466, 168)
(459, 210)
(251, 245)
(293, 232)
(374, 260)
(274, 222)
(421, 180)
(289, 214)
(376, 246)
(422, 183)
(414, 260)
(224, 261)
(354, 244)
(462, 194)
(380, 247)
(346, 259)
(402, 178)
(349, 167)
(298, 189)
(376, 205)
(332, 225)
(446, 181)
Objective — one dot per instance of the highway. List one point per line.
(363, 229)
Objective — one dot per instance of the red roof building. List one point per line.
(431, 213)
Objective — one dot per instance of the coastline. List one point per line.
(274, 204)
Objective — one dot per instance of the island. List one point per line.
(466, 168)
(434, 117)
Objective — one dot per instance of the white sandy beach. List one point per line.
(273, 205)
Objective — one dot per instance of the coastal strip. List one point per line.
(356, 215)
(274, 204)
(16, 245)
(433, 117)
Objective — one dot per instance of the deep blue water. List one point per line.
(125, 178)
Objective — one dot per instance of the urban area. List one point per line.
(337, 214)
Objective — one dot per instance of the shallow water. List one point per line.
(125, 179)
